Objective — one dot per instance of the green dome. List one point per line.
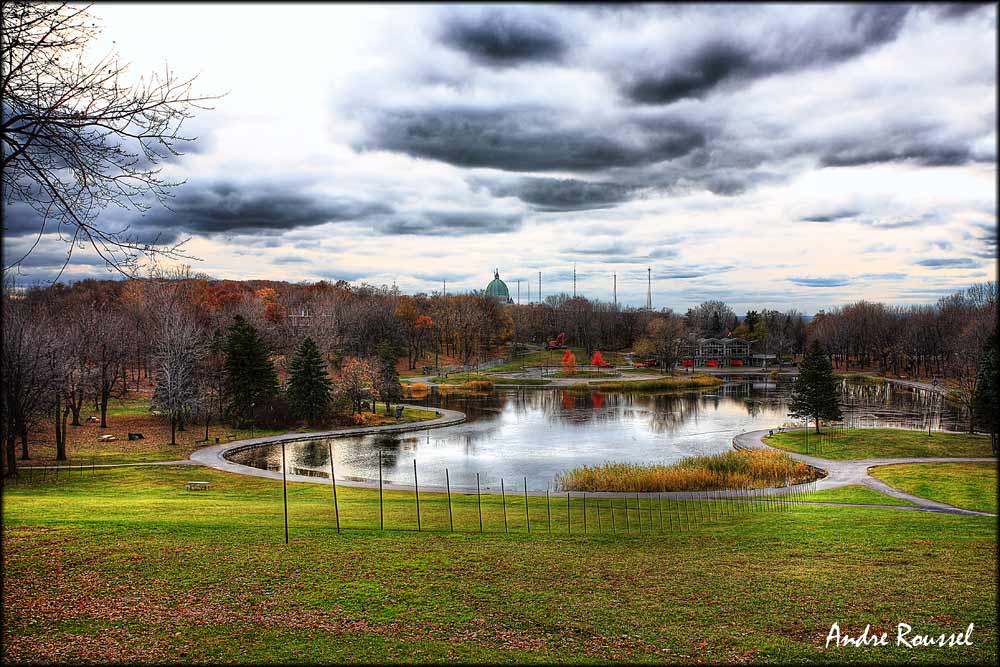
(498, 288)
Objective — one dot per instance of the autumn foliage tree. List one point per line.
(569, 362)
(598, 360)
(357, 382)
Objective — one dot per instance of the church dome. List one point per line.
(498, 288)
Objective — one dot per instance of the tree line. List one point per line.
(215, 349)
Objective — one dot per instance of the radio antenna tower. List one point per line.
(574, 280)
(615, 290)
(539, 287)
(649, 288)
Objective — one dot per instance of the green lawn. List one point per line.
(124, 565)
(462, 378)
(854, 494)
(880, 443)
(554, 358)
(133, 414)
(969, 485)
(666, 383)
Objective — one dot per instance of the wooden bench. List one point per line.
(196, 486)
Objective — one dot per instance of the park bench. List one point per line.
(196, 486)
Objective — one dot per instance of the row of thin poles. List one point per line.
(681, 513)
(59, 471)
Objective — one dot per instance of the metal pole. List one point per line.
(548, 508)
(447, 482)
(628, 528)
(503, 499)
(638, 511)
(569, 524)
(527, 519)
(381, 513)
(284, 488)
(599, 529)
(613, 529)
(584, 512)
(333, 482)
(479, 501)
(416, 492)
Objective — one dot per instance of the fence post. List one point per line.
(613, 529)
(284, 488)
(527, 518)
(638, 511)
(569, 523)
(649, 506)
(479, 501)
(381, 512)
(584, 512)
(548, 508)
(628, 528)
(416, 492)
(447, 483)
(333, 482)
(599, 529)
(503, 499)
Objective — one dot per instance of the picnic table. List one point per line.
(196, 486)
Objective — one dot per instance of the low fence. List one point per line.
(516, 509)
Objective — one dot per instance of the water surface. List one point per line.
(538, 433)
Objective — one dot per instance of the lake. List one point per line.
(537, 433)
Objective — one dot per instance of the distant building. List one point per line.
(498, 289)
(716, 352)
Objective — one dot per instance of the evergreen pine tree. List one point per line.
(250, 378)
(986, 403)
(308, 385)
(816, 393)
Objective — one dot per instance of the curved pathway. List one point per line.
(855, 472)
(839, 473)
(214, 456)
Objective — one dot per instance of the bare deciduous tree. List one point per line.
(78, 136)
(176, 364)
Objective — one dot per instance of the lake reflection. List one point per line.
(539, 433)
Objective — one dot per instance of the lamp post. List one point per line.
(253, 416)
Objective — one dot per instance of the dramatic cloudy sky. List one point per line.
(777, 156)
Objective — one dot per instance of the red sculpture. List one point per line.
(557, 344)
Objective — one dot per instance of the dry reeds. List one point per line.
(756, 468)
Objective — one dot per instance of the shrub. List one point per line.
(366, 419)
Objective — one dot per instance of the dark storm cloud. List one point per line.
(451, 223)
(727, 62)
(19, 219)
(949, 263)
(959, 10)
(611, 248)
(229, 207)
(503, 38)
(290, 259)
(565, 194)
(831, 281)
(917, 152)
(832, 216)
(526, 139)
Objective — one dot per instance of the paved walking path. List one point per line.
(855, 472)
(214, 456)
